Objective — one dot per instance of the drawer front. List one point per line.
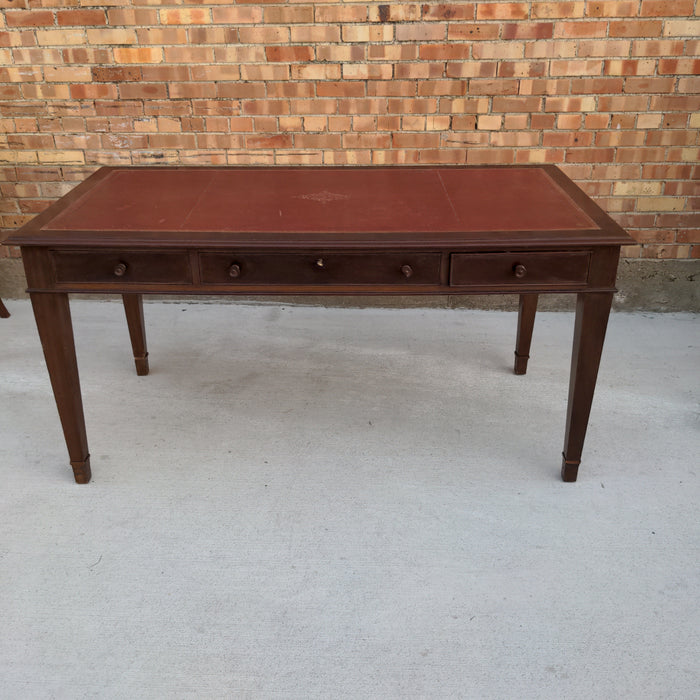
(320, 268)
(122, 267)
(519, 269)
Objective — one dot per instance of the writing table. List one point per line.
(313, 230)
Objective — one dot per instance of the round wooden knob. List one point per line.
(234, 270)
(320, 263)
(120, 269)
(520, 271)
(406, 270)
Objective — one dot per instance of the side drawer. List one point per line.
(519, 269)
(121, 267)
(320, 268)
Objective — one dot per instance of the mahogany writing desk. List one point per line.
(429, 230)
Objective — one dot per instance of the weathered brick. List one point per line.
(29, 18)
(639, 27)
(237, 15)
(80, 18)
(666, 8)
(288, 14)
(189, 16)
(340, 89)
(472, 32)
(550, 10)
(289, 54)
(576, 30)
(60, 37)
(528, 30)
(489, 122)
(452, 12)
(421, 32)
(612, 8)
(67, 74)
(366, 33)
(264, 35)
(502, 10)
(340, 13)
(138, 55)
(111, 36)
(167, 35)
(687, 28)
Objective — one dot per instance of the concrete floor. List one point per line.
(340, 503)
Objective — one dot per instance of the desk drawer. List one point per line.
(320, 268)
(519, 269)
(121, 267)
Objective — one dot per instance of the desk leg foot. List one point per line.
(592, 312)
(52, 315)
(4, 313)
(569, 470)
(527, 308)
(81, 471)
(133, 308)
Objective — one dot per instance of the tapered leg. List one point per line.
(133, 306)
(53, 321)
(592, 311)
(526, 320)
(4, 313)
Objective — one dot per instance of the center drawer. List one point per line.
(320, 268)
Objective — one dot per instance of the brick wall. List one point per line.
(608, 90)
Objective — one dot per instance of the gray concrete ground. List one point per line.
(305, 503)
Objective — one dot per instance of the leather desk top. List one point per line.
(171, 205)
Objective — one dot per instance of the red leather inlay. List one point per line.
(327, 199)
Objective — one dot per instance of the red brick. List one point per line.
(289, 89)
(189, 16)
(528, 30)
(411, 106)
(502, 10)
(575, 30)
(453, 12)
(99, 91)
(288, 14)
(443, 52)
(29, 18)
(110, 74)
(667, 8)
(421, 32)
(140, 91)
(266, 107)
(393, 88)
(239, 90)
(442, 87)
(679, 65)
(340, 89)
(81, 18)
(340, 13)
(612, 8)
(558, 9)
(646, 27)
(138, 55)
(289, 54)
(472, 32)
(493, 87)
(649, 85)
(588, 86)
(237, 15)
(269, 141)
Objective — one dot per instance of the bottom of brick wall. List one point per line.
(644, 285)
